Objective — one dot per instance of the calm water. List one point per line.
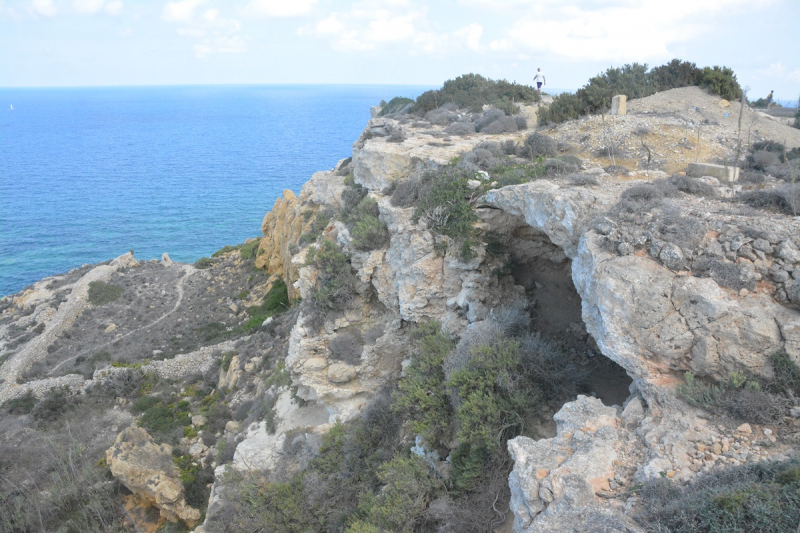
(87, 174)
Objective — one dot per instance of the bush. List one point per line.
(203, 263)
(473, 91)
(336, 283)
(101, 293)
(784, 199)
(366, 229)
(421, 395)
(757, 497)
(634, 81)
(675, 74)
(395, 105)
(20, 406)
(565, 106)
(537, 145)
(321, 220)
(408, 485)
(721, 81)
(275, 301)
(444, 202)
(347, 346)
(691, 185)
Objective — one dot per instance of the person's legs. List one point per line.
(539, 86)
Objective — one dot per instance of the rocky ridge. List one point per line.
(715, 297)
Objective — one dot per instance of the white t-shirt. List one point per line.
(539, 77)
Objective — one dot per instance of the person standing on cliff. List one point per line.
(539, 79)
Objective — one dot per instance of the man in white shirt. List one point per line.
(539, 79)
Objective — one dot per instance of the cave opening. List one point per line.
(545, 272)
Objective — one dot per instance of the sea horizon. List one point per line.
(89, 173)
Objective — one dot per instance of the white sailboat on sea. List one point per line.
(12, 107)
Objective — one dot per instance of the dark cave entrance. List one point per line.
(546, 274)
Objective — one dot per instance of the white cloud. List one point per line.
(92, 7)
(183, 11)
(88, 7)
(280, 8)
(471, 35)
(219, 35)
(44, 7)
(605, 30)
(113, 8)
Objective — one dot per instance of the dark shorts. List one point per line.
(538, 85)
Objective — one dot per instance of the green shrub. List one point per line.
(473, 91)
(492, 402)
(321, 220)
(787, 374)
(421, 394)
(203, 263)
(336, 283)
(635, 81)
(675, 74)
(408, 486)
(360, 213)
(20, 406)
(565, 106)
(721, 81)
(756, 497)
(101, 293)
(227, 357)
(394, 105)
(165, 421)
(275, 301)
(445, 203)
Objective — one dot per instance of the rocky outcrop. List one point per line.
(291, 216)
(654, 321)
(54, 321)
(561, 475)
(146, 468)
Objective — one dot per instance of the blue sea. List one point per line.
(87, 174)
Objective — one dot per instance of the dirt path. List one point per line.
(188, 270)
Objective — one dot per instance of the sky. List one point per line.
(152, 42)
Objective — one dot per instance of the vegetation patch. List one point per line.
(756, 400)
(336, 283)
(757, 497)
(444, 200)
(473, 91)
(636, 81)
(395, 105)
(101, 293)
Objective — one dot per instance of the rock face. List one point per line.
(289, 219)
(561, 475)
(148, 471)
(653, 321)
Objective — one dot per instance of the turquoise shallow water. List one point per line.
(87, 174)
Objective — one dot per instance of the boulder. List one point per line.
(561, 475)
(146, 468)
(723, 173)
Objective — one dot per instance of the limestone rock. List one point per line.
(165, 260)
(788, 252)
(148, 471)
(341, 373)
(561, 475)
(563, 214)
(649, 319)
(619, 105)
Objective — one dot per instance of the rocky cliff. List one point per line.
(643, 278)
